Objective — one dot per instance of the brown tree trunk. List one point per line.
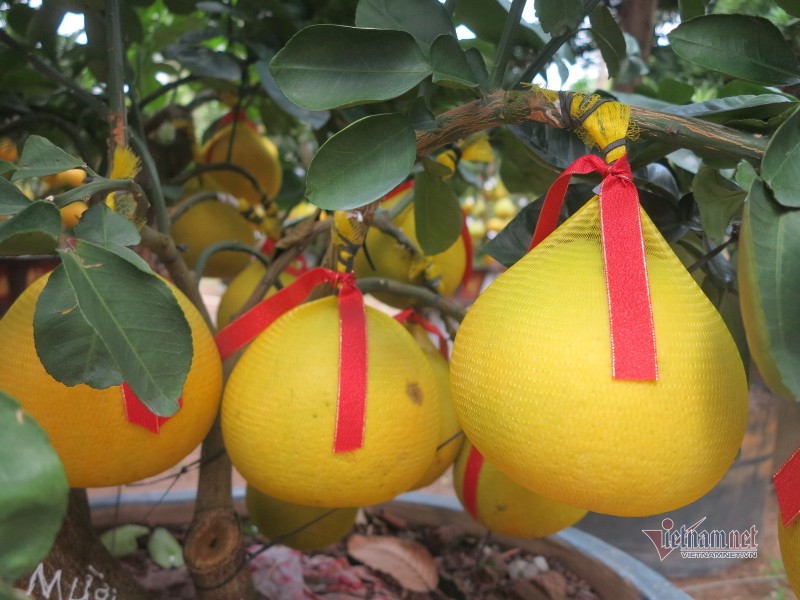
(637, 18)
(78, 565)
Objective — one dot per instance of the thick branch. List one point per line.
(421, 295)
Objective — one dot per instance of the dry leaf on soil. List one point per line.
(408, 562)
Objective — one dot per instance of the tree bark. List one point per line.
(637, 18)
(78, 565)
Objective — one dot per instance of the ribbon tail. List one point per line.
(137, 413)
(787, 489)
(472, 474)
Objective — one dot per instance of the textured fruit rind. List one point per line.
(755, 325)
(532, 387)
(506, 507)
(279, 411)
(88, 427)
(789, 540)
(276, 518)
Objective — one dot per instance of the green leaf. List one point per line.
(719, 201)
(33, 497)
(781, 165)
(521, 170)
(478, 66)
(329, 66)
(6, 167)
(362, 162)
(41, 157)
(70, 349)
(437, 214)
(425, 20)
(86, 191)
(449, 63)
(204, 62)
(558, 16)
(315, 118)
(745, 175)
(608, 37)
(164, 549)
(790, 6)
(420, 116)
(123, 541)
(674, 91)
(556, 147)
(691, 9)
(103, 226)
(750, 48)
(12, 200)
(730, 312)
(512, 242)
(769, 286)
(486, 18)
(139, 320)
(33, 230)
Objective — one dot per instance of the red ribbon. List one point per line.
(410, 315)
(352, 394)
(472, 474)
(787, 488)
(299, 265)
(139, 414)
(633, 344)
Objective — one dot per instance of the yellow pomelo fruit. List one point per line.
(504, 208)
(393, 261)
(207, 223)
(449, 427)
(789, 540)
(755, 324)
(279, 411)
(71, 178)
(72, 213)
(277, 520)
(506, 507)
(8, 150)
(88, 427)
(532, 385)
(249, 150)
(241, 288)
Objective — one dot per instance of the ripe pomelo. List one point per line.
(319, 526)
(88, 427)
(789, 540)
(207, 223)
(504, 506)
(532, 385)
(72, 213)
(279, 411)
(240, 289)
(255, 153)
(449, 439)
(392, 260)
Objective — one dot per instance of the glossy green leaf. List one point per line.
(204, 62)
(521, 170)
(41, 157)
(771, 238)
(745, 175)
(70, 349)
(12, 200)
(103, 226)
(608, 37)
(437, 214)
(556, 147)
(449, 63)
(719, 201)
(790, 6)
(781, 165)
(123, 541)
(478, 66)
(362, 162)
(6, 167)
(691, 9)
(486, 18)
(164, 549)
(33, 230)
(33, 497)
(674, 91)
(315, 118)
(328, 66)
(425, 20)
(750, 48)
(558, 16)
(512, 242)
(419, 115)
(139, 320)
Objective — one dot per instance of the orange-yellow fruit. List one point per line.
(8, 150)
(241, 288)
(755, 325)
(249, 150)
(72, 213)
(506, 507)
(208, 223)
(532, 385)
(88, 427)
(69, 179)
(504, 208)
(449, 439)
(279, 411)
(789, 540)
(277, 520)
(393, 261)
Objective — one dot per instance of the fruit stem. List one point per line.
(118, 113)
(421, 295)
(226, 246)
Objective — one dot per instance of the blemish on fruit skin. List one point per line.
(20, 416)
(414, 392)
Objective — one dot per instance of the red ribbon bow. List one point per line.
(410, 315)
(633, 345)
(352, 394)
(787, 488)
